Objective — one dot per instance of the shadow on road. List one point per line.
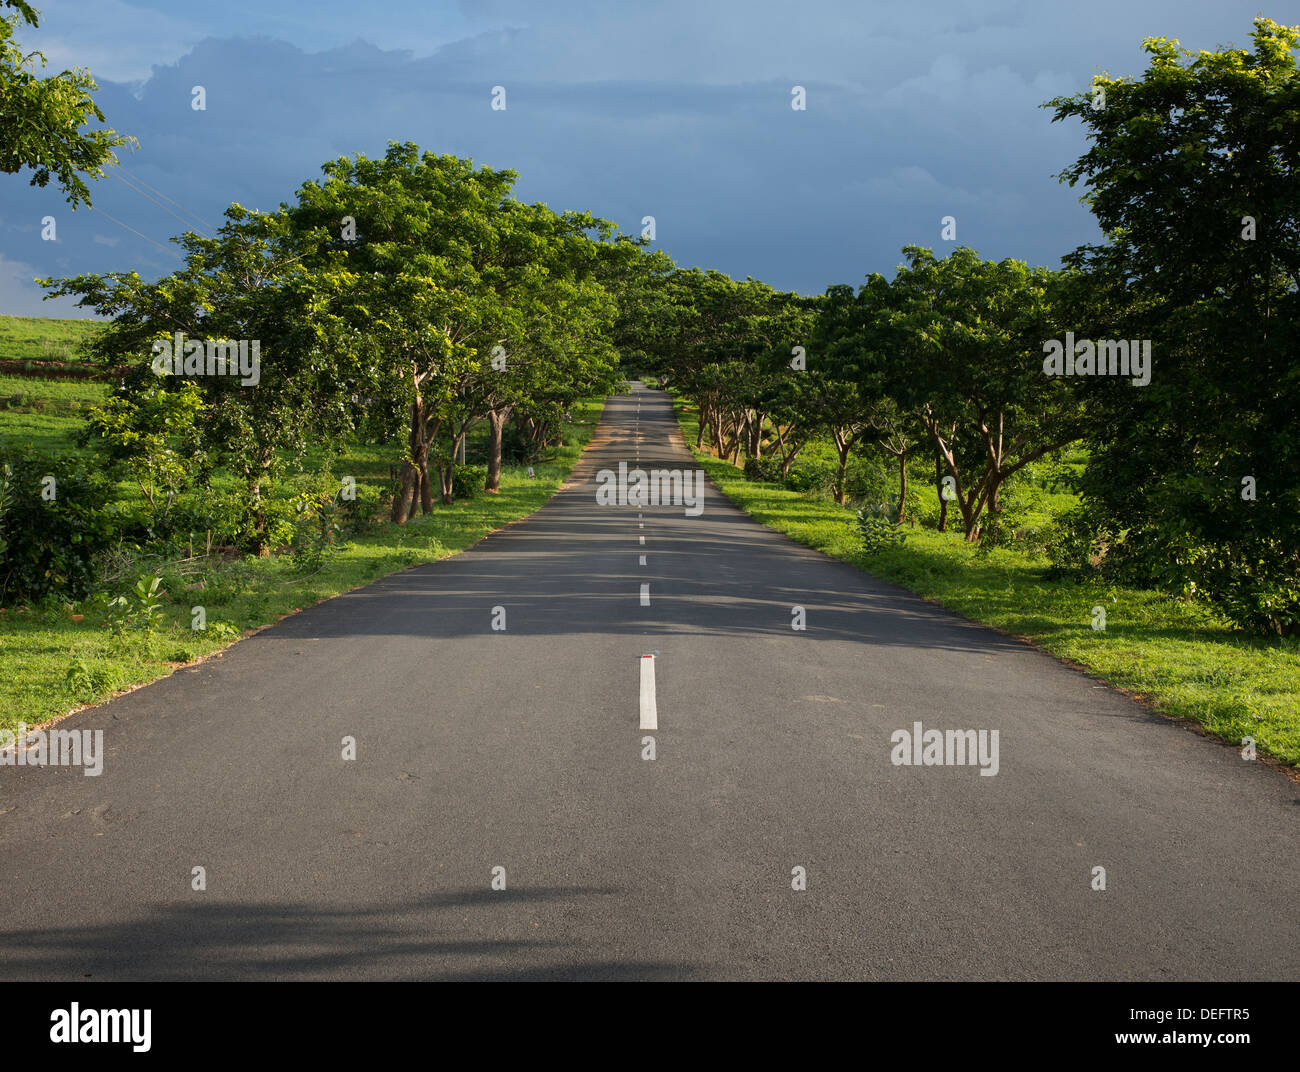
(428, 938)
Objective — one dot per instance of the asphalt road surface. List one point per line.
(521, 749)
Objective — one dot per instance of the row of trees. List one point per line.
(400, 300)
(946, 358)
(1193, 479)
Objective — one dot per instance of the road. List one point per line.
(521, 749)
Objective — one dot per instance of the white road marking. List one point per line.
(645, 595)
(649, 710)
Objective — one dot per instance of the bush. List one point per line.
(1021, 501)
(361, 515)
(139, 608)
(50, 545)
(811, 476)
(317, 530)
(764, 470)
(869, 480)
(517, 448)
(879, 533)
(468, 480)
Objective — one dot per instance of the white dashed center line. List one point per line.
(649, 711)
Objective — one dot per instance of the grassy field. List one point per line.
(45, 413)
(1173, 655)
(53, 664)
(39, 338)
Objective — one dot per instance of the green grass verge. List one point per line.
(52, 664)
(1176, 656)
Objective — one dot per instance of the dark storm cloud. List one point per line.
(679, 110)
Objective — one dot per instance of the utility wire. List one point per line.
(188, 225)
(140, 181)
(165, 249)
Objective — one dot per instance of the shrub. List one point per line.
(764, 470)
(137, 609)
(1019, 501)
(1074, 543)
(468, 480)
(360, 515)
(811, 476)
(317, 530)
(50, 544)
(879, 533)
(517, 448)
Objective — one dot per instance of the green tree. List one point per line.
(473, 303)
(959, 342)
(151, 434)
(249, 283)
(1193, 173)
(41, 119)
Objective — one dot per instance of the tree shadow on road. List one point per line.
(461, 934)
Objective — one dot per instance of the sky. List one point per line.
(680, 110)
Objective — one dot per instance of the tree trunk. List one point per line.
(446, 473)
(410, 492)
(842, 449)
(426, 486)
(902, 485)
(496, 426)
(405, 497)
(938, 483)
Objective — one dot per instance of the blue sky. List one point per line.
(680, 110)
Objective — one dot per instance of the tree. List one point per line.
(474, 303)
(1193, 173)
(248, 284)
(959, 342)
(152, 435)
(419, 232)
(41, 119)
(727, 345)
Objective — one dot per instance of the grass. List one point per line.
(45, 413)
(1176, 656)
(53, 664)
(40, 338)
